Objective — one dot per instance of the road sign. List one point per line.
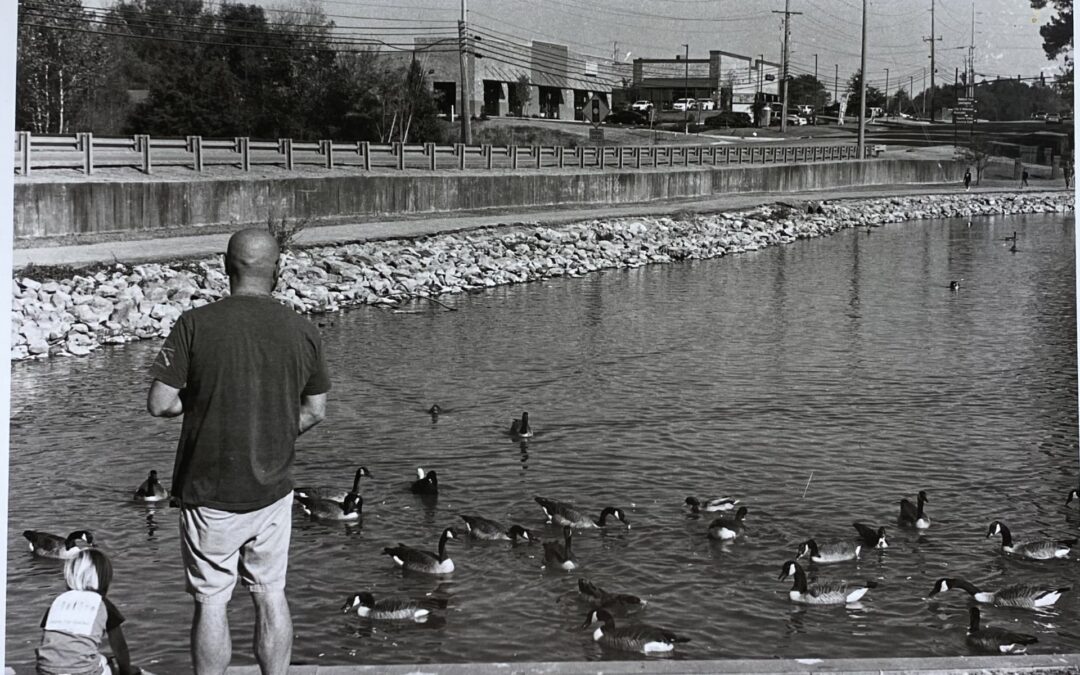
(597, 110)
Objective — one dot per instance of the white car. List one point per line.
(683, 104)
(705, 104)
(641, 106)
(796, 120)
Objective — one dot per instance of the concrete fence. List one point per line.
(88, 152)
(88, 207)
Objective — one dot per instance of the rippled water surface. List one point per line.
(819, 382)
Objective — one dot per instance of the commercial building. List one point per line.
(539, 79)
(731, 81)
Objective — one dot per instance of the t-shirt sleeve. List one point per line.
(319, 381)
(44, 618)
(113, 617)
(171, 363)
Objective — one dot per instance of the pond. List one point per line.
(819, 383)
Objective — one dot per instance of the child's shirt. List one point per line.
(74, 625)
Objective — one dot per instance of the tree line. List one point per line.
(180, 67)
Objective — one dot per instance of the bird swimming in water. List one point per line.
(521, 428)
(610, 601)
(993, 639)
(1044, 549)
(822, 593)
(392, 609)
(828, 553)
(151, 490)
(954, 285)
(633, 637)
(348, 509)
(426, 484)
(711, 505)
(560, 555)
(427, 562)
(485, 529)
(1027, 596)
(48, 545)
(562, 513)
(912, 516)
(874, 538)
(334, 494)
(434, 409)
(1073, 494)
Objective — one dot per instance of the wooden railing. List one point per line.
(88, 152)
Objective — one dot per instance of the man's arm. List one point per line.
(312, 410)
(164, 401)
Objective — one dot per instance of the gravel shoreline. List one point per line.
(74, 316)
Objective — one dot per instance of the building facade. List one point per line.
(731, 81)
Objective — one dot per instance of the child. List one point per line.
(77, 620)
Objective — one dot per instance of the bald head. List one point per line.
(251, 260)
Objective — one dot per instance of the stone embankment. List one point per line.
(117, 304)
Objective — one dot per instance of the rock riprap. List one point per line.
(76, 315)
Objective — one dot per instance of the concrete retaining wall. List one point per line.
(89, 207)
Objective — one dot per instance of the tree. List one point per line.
(1057, 37)
(807, 90)
(977, 152)
(522, 94)
(874, 96)
(60, 64)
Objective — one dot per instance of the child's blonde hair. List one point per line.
(89, 570)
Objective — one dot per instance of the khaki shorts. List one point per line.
(217, 546)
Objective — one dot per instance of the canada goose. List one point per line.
(426, 484)
(611, 601)
(334, 494)
(424, 561)
(560, 555)
(489, 530)
(49, 545)
(728, 526)
(1028, 596)
(521, 428)
(828, 553)
(392, 609)
(634, 637)
(1044, 549)
(151, 490)
(563, 513)
(822, 593)
(711, 505)
(348, 509)
(912, 516)
(997, 640)
(872, 537)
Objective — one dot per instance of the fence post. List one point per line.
(142, 144)
(622, 156)
(485, 152)
(194, 146)
(365, 150)
(24, 149)
(637, 157)
(284, 147)
(86, 145)
(429, 152)
(560, 153)
(398, 151)
(459, 152)
(538, 155)
(601, 156)
(513, 150)
(326, 148)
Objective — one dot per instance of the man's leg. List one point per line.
(211, 644)
(273, 632)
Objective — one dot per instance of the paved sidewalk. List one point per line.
(174, 247)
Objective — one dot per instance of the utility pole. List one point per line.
(784, 81)
(836, 95)
(931, 40)
(971, 56)
(686, 91)
(817, 103)
(924, 91)
(911, 91)
(466, 93)
(886, 92)
(862, 89)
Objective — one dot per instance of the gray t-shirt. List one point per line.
(74, 625)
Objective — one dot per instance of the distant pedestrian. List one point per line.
(1024, 178)
(967, 179)
(1068, 175)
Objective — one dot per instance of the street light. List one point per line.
(886, 92)
(686, 88)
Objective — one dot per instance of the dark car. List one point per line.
(626, 117)
(728, 119)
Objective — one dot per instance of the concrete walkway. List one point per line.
(174, 247)
(1057, 664)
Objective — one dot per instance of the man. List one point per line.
(248, 375)
(967, 178)
(1024, 178)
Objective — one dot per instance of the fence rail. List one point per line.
(88, 152)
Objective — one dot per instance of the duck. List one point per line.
(634, 637)
(1073, 494)
(1027, 596)
(872, 537)
(997, 640)
(434, 409)
(48, 545)
(562, 513)
(829, 553)
(489, 530)
(711, 505)
(913, 516)
(560, 555)
(825, 593)
(728, 526)
(334, 494)
(954, 285)
(1044, 549)
(520, 428)
(350, 509)
(391, 609)
(151, 490)
(427, 483)
(416, 560)
(601, 598)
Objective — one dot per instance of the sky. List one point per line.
(1006, 32)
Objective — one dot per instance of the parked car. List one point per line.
(796, 120)
(1053, 118)
(1038, 115)
(683, 104)
(626, 117)
(729, 119)
(705, 104)
(641, 106)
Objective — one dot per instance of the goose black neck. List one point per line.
(813, 547)
(567, 536)
(1006, 536)
(604, 514)
(800, 579)
(974, 623)
(356, 479)
(442, 545)
(964, 584)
